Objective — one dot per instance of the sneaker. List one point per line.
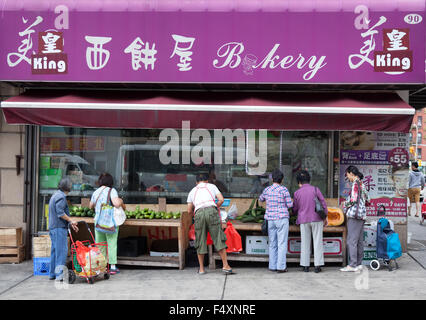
(359, 268)
(114, 271)
(348, 268)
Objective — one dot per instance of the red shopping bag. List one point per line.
(233, 238)
(191, 235)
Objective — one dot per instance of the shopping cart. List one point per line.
(89, 259)
(422, 219)
(388, 245)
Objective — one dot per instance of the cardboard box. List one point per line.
(294, 245)
(332, 245)
(369, 254)
(257, 245)
(370, 234)
(41, 246)
(163, 254)
(49, 178)
(44, 162)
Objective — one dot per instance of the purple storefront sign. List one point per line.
(330, 41)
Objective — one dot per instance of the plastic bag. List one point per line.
(91, 259)
(232, 212)
(223, 215)
(233, 238)
(191, 235)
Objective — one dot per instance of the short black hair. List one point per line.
(105, 179)
(277, 176)
(65, 185)
(202, 176)
(303, 176)
(415, 164)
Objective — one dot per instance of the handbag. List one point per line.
(106, 222)
(119, 216)
(318, 207)
(265, 227)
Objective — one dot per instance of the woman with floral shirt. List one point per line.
(356, 212)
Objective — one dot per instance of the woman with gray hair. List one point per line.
(58, 226)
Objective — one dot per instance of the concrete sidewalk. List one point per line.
(250, 283)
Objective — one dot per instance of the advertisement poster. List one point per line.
(383, 159)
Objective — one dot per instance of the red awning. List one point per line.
(210, 110)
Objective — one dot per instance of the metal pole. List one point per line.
(417, 141)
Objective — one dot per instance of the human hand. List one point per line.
(74, 226)
(326, 222)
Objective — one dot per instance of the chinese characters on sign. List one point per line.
(382, 157)
(182, 49)
(395, 58)
(72, 144)
(50, 58)
(26, 44)
(139, 53)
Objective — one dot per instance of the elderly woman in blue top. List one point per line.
(278, 201)
(58, 226)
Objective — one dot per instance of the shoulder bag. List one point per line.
(318, 207)
(106, 222)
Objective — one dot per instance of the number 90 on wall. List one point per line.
(413, 18)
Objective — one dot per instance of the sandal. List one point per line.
(228, 271)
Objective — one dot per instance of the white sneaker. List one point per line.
(359, 268)
(348, 268)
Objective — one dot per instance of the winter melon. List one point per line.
(335, 217)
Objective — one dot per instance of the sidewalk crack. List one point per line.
(15, 285)
(224, 285)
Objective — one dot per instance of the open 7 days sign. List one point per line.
(355, 45)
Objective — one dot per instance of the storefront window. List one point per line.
(146, 166)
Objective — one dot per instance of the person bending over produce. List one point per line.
(201, 200)
(278, 202)
(58, 225)
(99, 197)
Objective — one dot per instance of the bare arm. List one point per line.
(220, 199)
(190, 208)
(118, 202)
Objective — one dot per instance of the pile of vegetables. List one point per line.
(257, 213)
(76, 211)
(146, 213)
(253, 214)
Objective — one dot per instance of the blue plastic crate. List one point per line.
(225, 203)
(41, 266)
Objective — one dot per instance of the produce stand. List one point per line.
(256, 227)
(182, 225)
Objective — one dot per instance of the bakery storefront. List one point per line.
(155, 95)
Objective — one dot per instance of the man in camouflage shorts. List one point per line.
(201, 200)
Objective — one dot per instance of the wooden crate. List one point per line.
(12, 254)
(11, 237)
(41, 246)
